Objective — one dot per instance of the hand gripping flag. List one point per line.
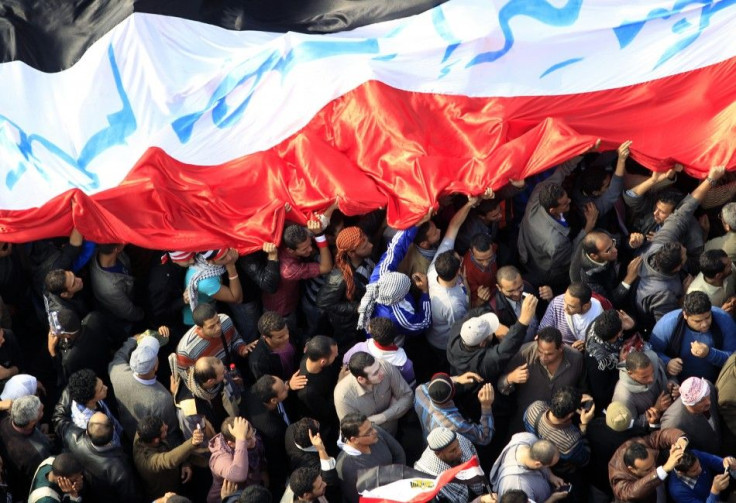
(179, 125)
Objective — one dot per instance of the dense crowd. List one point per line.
(574, 332)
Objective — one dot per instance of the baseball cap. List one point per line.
(476, 330)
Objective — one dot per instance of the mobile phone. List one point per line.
(564, 488)
(727, 471)
(586, 405)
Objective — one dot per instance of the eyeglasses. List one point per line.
(613, 245)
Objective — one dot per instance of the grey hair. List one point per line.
(728, 214)
(25, 410)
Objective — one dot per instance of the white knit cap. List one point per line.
(476, 330)
(439, 438)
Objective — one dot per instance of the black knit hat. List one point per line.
(441, 388)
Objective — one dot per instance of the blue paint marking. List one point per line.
(557, 66)
(225, 115)
(681, 25)
(183, 126)
(446, 69)
(14, 175)
(537, 9)
(121, 125)
(450, 49)
(317, 49)
(627, 32)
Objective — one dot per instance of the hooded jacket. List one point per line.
(226, 463)
(639, 397)
(488, 361)
(657, 293)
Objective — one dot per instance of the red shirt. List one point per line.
(292, 269)
(476, 277)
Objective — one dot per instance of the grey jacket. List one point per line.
(639, 397)
(114, 291)
(659, 293)
(643, 208)
(544, 243)
(704, 434)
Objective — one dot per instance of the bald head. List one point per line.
(100, 429)
(600, 246)
(544, 452)
(208, 371)
(507, 273)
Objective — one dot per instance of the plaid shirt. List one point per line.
(292, 269)
(432, 417)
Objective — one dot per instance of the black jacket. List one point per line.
(500, 305)
(602, 279)
(342, 313)
(262, 361)
(489, 361)
(108, 473)
(259, 275)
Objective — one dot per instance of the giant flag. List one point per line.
(187, 124)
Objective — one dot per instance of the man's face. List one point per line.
(279, 338)
(227, 258)
(484, 259)
(73, 284)
(662, 210)
(304, 250)
(607, 251)
(512, 289)
(573, 305)
(452, 454)
(100, 390)
(548, 353)
(365, 249)
(604, 187)
(164, 430)
(319, 487)
(643, 466)
(702, 406)
(433, 235)
(5, 249)
(212, 328)
(250, 437)
(77, 481)
(563, 204)
(699, 322)
(367, 434)
(220, 371)
(374, 374)
(694, 471)
(495, 215)
(643, 376)
(279, 387)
